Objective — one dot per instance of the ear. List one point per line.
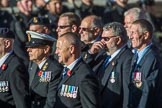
(7, 43)
(118, 40)
(46, 29)
(74, 28)
(146, 35)
(72, 49)
(96, 30)
(47, 49)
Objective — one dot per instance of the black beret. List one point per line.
(39, 21)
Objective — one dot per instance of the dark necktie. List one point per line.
(104, 65)
(64, 72)
(135, 61)
(106, 61)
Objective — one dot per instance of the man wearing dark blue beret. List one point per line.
(13, 75)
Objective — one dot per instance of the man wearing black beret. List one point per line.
(13, 75)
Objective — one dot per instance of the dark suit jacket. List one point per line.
(146, 95)
(113, 94)
(45, 91)
(118, 90)
(79, 89)
(15, 77)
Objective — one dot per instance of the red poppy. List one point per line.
(4, 67)
(69, 72)
(40, 73)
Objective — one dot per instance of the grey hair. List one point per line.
(136, 13)
(117, 30)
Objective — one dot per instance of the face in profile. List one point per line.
(136, 37)
(36, 54)
(63, 26)
(63, 51)
(2, 47)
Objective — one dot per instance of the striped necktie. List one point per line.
(64, 72)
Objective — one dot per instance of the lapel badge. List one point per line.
(3, 67)
(40, 73)
(113, 63)
(35, 20)
(69, 72)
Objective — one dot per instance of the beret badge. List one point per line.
(35, 20)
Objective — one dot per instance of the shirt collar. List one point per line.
(116, 53)
(71, 66)
(3, 59)
(142, 52)
(42, 63)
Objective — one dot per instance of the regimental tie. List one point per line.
(64, 72)
(135, 62)
(106, 61)
(104, 65)
(135, 65)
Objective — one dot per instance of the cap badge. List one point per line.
(4, 30)
(35, 20)
(29, 36)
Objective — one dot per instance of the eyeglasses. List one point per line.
(63, 27)
(85, 29)
(107, 38)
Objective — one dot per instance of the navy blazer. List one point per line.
(115, 79)
(14, 88)
(145, 94)
(43, 86)
(79, 89)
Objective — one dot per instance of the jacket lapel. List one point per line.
(33, 70)
(107, 72)
(110, 68)
(73, 72)
(5, 64)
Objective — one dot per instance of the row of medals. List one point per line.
(4, 86)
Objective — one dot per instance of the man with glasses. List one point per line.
(68, 22)
(112, 67)
(90, 31)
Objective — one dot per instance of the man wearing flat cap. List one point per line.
(14, 92)
(44, 72)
